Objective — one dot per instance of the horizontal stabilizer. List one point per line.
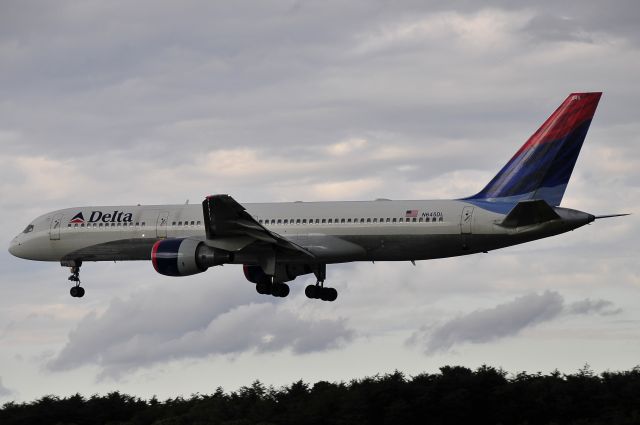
(526, 213)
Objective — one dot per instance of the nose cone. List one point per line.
(12, 248)
(15, 247)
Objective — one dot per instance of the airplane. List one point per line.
(277, 242)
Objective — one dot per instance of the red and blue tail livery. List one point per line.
(541, 168)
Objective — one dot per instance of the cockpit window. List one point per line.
(28, 229)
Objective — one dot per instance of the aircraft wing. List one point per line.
(228, 224)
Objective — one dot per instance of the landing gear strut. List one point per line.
(318, 291)
(76, 290)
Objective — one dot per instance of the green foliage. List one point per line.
(453, 396)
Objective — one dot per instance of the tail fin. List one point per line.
(542, 166)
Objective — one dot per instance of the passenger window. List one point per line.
(75, 225)
(280, 221)
(414, 219)
(388, 219)
(317, 220)
(143, 223)
(198, 222)
(68, 225)
(193, 223)
(375, 220)
(82, 225)
(173, 224)
(394, 219)
(100, 225)
(179, 223)
(401, 220)
(304, 221)
(420, 219)
(119, 224)
(342, 220)
(137, 223)
(368, 220)
(348, 220)
(362, 220)
(441, 219)
(330, 221)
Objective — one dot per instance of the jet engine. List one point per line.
(184, 257)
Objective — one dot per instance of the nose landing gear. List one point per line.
(76, 290)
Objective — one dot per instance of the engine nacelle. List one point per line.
(184, 257)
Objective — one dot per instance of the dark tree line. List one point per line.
(456, 395)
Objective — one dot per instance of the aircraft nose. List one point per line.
(14, 247)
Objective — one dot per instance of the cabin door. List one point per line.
(54, 227)
(161, 224)
(466, 220)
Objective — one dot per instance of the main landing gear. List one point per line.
(273, 285)
(318, 291)
(267, 287)
(76, 290)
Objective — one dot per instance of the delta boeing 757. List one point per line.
(276, 242)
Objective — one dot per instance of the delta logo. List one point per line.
(96, 216)
(77, 219)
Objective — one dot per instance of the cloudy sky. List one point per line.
(159, 102)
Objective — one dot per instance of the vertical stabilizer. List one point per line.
(542, 166)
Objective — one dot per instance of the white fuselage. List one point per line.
(333, 231)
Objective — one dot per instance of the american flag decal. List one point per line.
(411, 213)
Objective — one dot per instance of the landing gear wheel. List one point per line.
(263, 288)
(77, 291)
(311, 291)
(280, 290)
(319, 292)
(329, 294)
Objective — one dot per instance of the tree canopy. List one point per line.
(455, 395)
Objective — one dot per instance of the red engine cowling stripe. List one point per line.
(154, 255)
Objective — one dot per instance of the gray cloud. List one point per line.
(504, 320)
(4, 391)
(153, 327)
(588, 306)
